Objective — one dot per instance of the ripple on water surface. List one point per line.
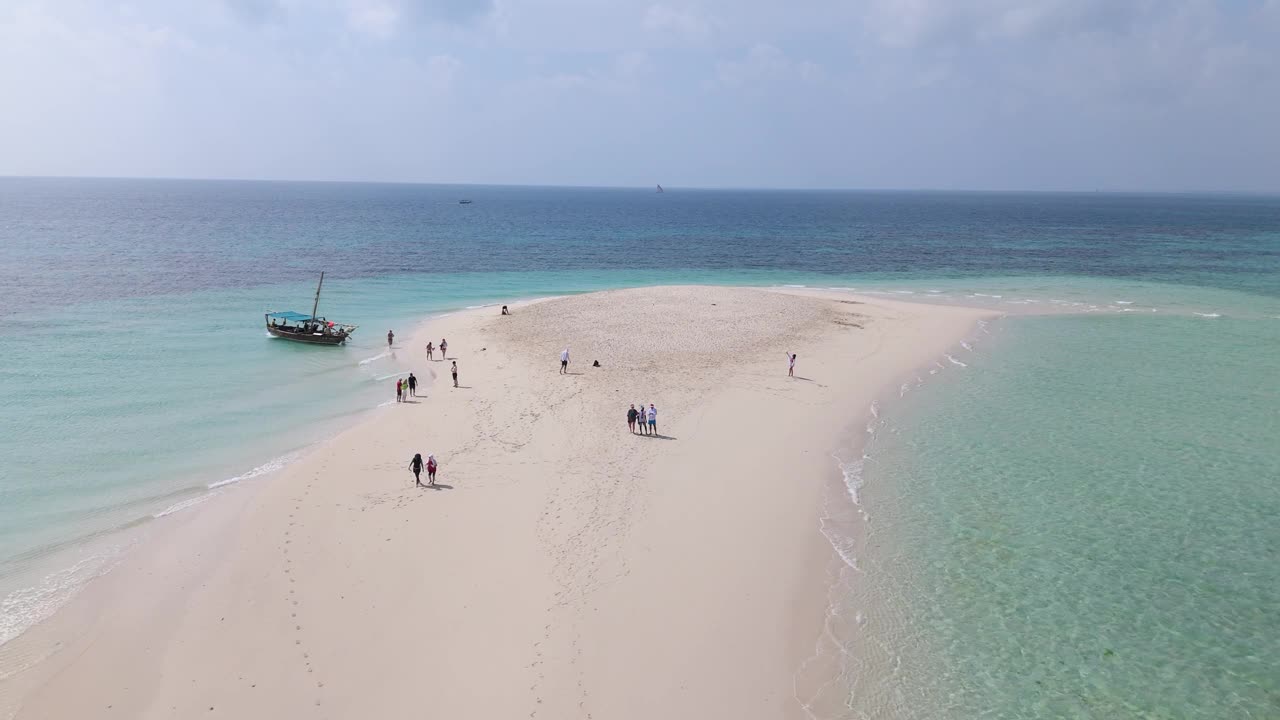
(1082, 524)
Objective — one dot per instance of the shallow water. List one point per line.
(1076, 524)
(1094, 473)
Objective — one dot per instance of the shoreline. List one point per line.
(111, 543)
(221, 521)
(841, 663)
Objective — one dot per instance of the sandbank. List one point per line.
(563, 568)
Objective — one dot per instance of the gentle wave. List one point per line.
(188, 503)
(954, 361)
(375, 358)
(267, 467)
(23, 608)
(1207, 315)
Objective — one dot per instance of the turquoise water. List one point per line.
(1081, 522)
(1075, 518)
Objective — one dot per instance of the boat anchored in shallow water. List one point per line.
(308, 328)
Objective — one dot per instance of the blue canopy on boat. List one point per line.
(290, 315)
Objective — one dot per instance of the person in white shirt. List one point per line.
(653, 419)
(564, 361)
(791, 365)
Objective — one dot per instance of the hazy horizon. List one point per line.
(666, 187)
(988, 95)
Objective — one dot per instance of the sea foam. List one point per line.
(268, 467)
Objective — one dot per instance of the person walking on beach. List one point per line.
(564, 361)
(413, 386)
(431, 469)
(431, 351)
(791, 364)
(399, 390)
(444, 349)
(631, 419)
(416, 466)
(454, 370)
(653, 419)
(390, 336)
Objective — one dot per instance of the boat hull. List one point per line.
(309, 338)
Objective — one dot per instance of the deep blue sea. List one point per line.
(1077, 514)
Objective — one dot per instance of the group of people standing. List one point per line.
(444, 349)
(406, 388)
(646, 421)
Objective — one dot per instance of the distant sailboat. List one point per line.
(660, 189)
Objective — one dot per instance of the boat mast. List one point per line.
(317, 303)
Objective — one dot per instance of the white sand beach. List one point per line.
(563, 568)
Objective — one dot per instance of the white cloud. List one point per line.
(921, 23)
(440, 71)
(383, 18)
(687, 22)
(764, 64)
(633, 63)
(373, 17)
(1000, 92)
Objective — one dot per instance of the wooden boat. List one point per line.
(308, 328)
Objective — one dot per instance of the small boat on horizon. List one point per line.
(464, 202)
(660, 189)
(308, 328)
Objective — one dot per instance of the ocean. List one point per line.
(1075, 514)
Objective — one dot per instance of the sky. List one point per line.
(1162, 95)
